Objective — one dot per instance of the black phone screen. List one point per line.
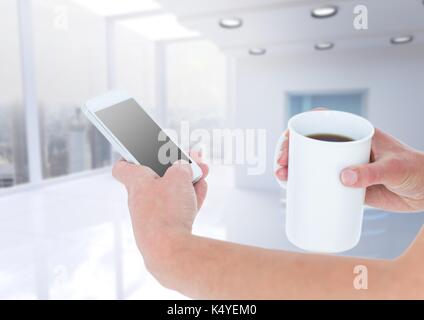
(137, 131)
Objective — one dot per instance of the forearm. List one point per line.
(206, 268)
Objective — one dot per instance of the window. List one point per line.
(13, 153)
(348, 102)
(70, 63)
(169, 66)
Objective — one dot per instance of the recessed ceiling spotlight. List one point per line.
(257, 51)
(230, 23)
(324, 12)
(324, 46)
(401, 39)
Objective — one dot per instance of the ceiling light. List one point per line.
(324, 46)
(257, 51)
(401, 39)
(230, 23)
(324, 12)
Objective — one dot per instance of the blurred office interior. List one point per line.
(248, 64)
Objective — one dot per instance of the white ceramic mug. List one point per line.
(322, 214)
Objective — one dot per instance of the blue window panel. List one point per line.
(351, 102)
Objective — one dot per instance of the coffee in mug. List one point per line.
(330, 137)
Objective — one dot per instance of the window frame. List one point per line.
(29, 89)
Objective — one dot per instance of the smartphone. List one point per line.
(133, 133)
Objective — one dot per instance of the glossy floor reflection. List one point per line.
(73, 240)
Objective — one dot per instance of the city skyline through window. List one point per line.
(13, 152)
(70, 41)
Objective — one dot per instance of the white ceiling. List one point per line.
(186, 8)
(160, 27)
(116, 7)
(287, 26)
(280, 26)
(146, 17)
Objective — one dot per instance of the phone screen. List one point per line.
(137, 131)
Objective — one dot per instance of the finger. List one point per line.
(122, 170)
(179, 171)
(201, 189)
(205, 169)
(319, 109)
(283, 159)
(364, 175)
(201, 186)
(197, 157)
(282, 174)
(285, 143)
(125, 172)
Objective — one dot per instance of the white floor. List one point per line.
(73, 240)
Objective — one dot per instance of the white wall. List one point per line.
(394, 78)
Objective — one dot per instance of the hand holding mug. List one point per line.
(391, 178)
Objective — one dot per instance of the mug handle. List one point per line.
(277, 152)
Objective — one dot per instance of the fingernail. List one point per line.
(349, 177)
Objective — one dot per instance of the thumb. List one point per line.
(363, 176)
(180, 170)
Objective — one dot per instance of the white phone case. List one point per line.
(112, 98)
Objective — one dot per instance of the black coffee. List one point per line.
(330, 137)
